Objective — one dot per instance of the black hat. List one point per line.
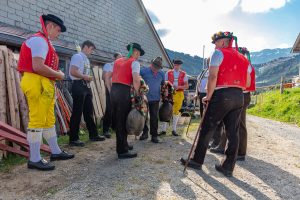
(221, 35)
(56, 20)
(157, 62)
(177, 61)
(136, 46)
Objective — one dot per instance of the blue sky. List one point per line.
(259, 24)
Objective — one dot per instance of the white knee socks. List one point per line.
(34, 138)
(51, 137)
(164, 126)
(175, 120)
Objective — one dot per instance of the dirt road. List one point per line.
(271, 171)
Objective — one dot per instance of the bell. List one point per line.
(165, 111)
(135, 122)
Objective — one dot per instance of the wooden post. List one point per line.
(281, 85)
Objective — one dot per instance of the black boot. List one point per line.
(191, 164)
(107, 134)
(42, 165)
(76, 143)
(62, 156)
(162, 133)
(97, 138)
(154, 139)
(174, 133)
(127, 155)
(144, 136)
(225, 172)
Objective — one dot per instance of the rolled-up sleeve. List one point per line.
(136, 67)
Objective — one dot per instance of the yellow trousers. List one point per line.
(40, 94)
(178, 98)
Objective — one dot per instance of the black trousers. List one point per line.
(153, 111)
(121, 106)
(107, 119)
(243, 129)
(225, 105)
(201, 95)
(82, 103)
(217, 136)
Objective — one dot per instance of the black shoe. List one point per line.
(154, 139)
(42, 165)
(217, 150)
(62, 156)
(241, 158)
(76, 143)
(127, 155)
(107, 134)
(174, 133)
(97, 138)
(212, 145)
(225, 172)
(162, 133)
(130, 147)
(191, 164)
(144, 136)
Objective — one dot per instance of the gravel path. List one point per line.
(271, 171)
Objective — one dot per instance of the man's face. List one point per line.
(119, 56)
(219, 43)
(89, 50)
(177, 67)
(53, 31)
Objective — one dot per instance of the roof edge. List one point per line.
(295, 44)
(155, 32)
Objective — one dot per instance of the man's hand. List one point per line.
(60, 75)
(87, 78)
(205, 100)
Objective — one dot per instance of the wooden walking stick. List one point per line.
(196, 138)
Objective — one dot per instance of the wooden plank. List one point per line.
(15, 132)
(95, 100)
(2, 88)
(7, 148)
(23, 107)
(10, 87)
(98, 90)
(102, 91)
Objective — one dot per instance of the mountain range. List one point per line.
(270, 64)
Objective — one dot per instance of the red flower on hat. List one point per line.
(226, 33)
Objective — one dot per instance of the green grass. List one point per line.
(281, 107)
(11, 161)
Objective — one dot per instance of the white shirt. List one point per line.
(81, 61)
(38, 47)
(176, 76)
(108, 67)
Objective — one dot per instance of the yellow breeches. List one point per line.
(40, 94)
(178, 100)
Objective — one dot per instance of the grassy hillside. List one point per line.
(282, 107)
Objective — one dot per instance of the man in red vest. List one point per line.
(179, 80)
(228, 76)
(39, 65)
(126, 72)
(242, 129)
(247, 98)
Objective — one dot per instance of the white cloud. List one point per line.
(191, 24)
(258, 6)
(283, 45)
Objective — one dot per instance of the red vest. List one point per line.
(252, 87)
(180, 78)
(233, 70)
(122, 72)
(25, 61)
